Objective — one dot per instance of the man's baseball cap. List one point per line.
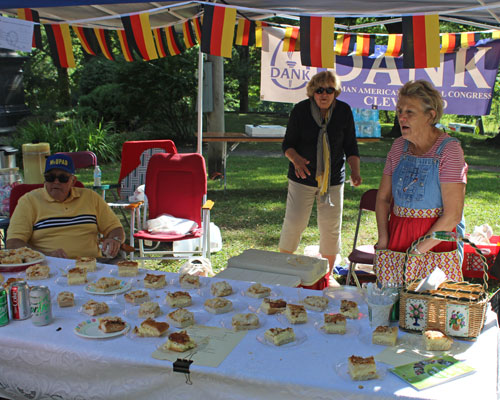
(60, 161)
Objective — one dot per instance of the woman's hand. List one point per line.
(299, 162)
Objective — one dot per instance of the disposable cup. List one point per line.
(378, 314)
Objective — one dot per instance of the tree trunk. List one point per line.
(243, 78)
(63, 88)
(215, 119)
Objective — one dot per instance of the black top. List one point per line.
(302, 135)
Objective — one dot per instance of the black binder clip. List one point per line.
(182, 365)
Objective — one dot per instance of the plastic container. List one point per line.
(472, 266)
(97, 176)
(34, 155)
(193, 245)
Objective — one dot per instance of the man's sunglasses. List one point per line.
(61, 178)
(328, 90)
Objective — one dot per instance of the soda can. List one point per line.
(4, 308)
(20, 301)
(41, 306)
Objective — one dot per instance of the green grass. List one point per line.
(250, 212)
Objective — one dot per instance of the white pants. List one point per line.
(299, 203)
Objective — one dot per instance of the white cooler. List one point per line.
(275, 268)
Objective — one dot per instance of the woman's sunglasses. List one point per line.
(61, 178)
(328, 90)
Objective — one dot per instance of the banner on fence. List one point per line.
(465, 79)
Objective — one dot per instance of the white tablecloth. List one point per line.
(48, 362)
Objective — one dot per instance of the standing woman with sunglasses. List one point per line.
(319, 138)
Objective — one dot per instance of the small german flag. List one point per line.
(172, 43)
(104, 40)
(88, 40)
(60, 45)
(495, 35)
(245, 33)
(32, 15)
(126, 49)
(316, 41)
(344, 45)
(394, 45)
(258, 32)
(291, 41)
(197, 28)
(139, 35)
(161, 42)
(421, 41)
(188, 35)
(449, 43)
(365, 45)
(217, 32)
(468, 39)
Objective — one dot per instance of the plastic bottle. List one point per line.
(97, 176)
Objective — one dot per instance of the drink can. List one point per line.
(19, 300)
(4, 308)
(41, 306)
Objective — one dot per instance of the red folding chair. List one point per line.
(82, 159)
(176, 184)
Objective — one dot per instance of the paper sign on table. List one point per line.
(216, 344)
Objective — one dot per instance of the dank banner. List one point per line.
(465, 79)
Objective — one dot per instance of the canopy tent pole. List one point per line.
(200, 102)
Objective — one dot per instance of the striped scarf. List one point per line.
(322, 152)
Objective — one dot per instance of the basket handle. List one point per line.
(449, 237)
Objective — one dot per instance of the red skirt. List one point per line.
(403, 231)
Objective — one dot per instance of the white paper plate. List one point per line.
(415, 342)
(342, 371)
(351, 330)
(89, 329)
(21, 266)
(227, 322)
(124, 287)
(300, 337)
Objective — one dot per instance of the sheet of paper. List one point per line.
(215, 344)
(16, 34)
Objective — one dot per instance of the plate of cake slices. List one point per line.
(243, 321)
(182, 341)
(16, 260)
(145, 310)
(258, 291)
(102, 328)
(108, 286)
(281, 337)
(361, 370)
(334, 326)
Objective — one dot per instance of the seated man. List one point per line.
(64, 221)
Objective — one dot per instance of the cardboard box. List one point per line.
(265, 130)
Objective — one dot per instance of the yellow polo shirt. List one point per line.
(72, 225)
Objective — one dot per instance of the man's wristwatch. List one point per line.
(118, 239)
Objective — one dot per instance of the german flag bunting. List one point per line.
(394, 44)
(344, 45)
(468, 39)
(245, 33)
(139, 35)
(421, 41)
(188, 35)
(104, 41)
(161, 42)
(449, 43)
(197, 28)
(60, 45)
(172, 43)
(258, 32)
(291, 41)
(124, 44)
(88, 40)
(32, 15)
(217, 32)
(495, 35)
(365, 45)
(316, 41)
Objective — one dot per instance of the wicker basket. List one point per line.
(455, 308)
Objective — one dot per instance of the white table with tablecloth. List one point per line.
(53, 362)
